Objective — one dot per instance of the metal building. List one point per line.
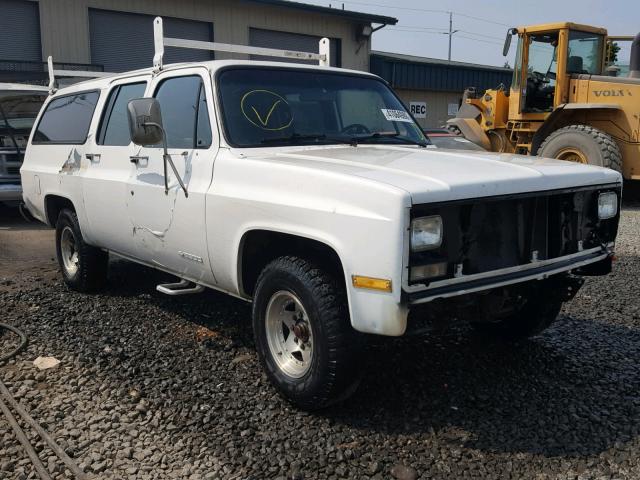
(116, 35)
(433, 88)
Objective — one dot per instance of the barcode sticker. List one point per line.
(396, 115)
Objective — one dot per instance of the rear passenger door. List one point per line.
(109, 168)
(169, 228)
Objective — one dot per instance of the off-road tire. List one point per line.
(598, 147)
(334, 372)
(540, 310)
(92, 263)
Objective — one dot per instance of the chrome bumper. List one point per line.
(539, 270)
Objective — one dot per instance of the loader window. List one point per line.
(585, 53)
(541, 72)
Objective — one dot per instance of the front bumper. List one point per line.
(538, 270)
(10, 192)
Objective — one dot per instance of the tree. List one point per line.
(612, 53)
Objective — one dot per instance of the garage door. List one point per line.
(20, 31)
(292, 41)
(123, 41)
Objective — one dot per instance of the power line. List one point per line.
(428, 10)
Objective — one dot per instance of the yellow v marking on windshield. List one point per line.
(266, 120)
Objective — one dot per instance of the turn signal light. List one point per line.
(371, 283)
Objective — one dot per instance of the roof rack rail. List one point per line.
(160, 41)
(69, 73)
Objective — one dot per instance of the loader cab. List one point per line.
(547, 57)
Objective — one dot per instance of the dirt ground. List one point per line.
(24, 247)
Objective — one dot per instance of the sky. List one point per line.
(421, 23)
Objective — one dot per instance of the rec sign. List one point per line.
(418, 109)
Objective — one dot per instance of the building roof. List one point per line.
(423, 73)
(437, 61)
(348, 14)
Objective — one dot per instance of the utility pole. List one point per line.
(451, 32)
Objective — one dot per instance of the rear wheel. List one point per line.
(84, 268)
(303, 335)
(583, 144)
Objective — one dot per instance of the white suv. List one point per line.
(308, 191)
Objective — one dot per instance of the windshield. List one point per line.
(268, 106)
(18, 112)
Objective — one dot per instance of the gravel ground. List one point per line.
(157, 387)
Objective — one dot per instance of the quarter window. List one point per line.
(66, 119)
(114, 129)
(184, 112)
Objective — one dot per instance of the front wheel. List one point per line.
(303, 335)
(583, 144)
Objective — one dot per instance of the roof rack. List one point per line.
(160, 41)
(69, 74)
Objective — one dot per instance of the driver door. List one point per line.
(539, 89)
(168, 227)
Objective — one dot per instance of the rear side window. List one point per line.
(184, 112)
(114, 128)
(66, 119)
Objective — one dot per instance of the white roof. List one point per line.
(213, 66)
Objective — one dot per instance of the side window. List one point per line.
(66, 119)
(114, 128)
(184, 112)
(203, 126)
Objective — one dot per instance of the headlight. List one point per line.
(607, 205)
(426, 233)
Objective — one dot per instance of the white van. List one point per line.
(308, 191)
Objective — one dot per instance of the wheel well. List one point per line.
(259, 247)
(53, 205)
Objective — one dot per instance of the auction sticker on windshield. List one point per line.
(396, 115)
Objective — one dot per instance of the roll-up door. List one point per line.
(123, 41)
(20, 31)
(292, 41)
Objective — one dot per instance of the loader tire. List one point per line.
(583, 144)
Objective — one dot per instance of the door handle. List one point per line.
(93, 157)
(137, 159)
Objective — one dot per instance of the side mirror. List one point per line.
(145, 121)
(507, 41)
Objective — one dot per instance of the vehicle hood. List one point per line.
(431, 175)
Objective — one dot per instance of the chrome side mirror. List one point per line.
(145, 121)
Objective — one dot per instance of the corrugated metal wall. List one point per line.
(65, 24)
(292, 41)
(124, 41)
(437, 76)
(20, 31)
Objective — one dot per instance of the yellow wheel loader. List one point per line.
(570, 98)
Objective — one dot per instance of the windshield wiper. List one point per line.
(394, 135)
(296, 137)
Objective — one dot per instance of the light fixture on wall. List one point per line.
(364, 32)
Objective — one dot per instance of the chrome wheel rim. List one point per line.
(289, 334)
(68, 251)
